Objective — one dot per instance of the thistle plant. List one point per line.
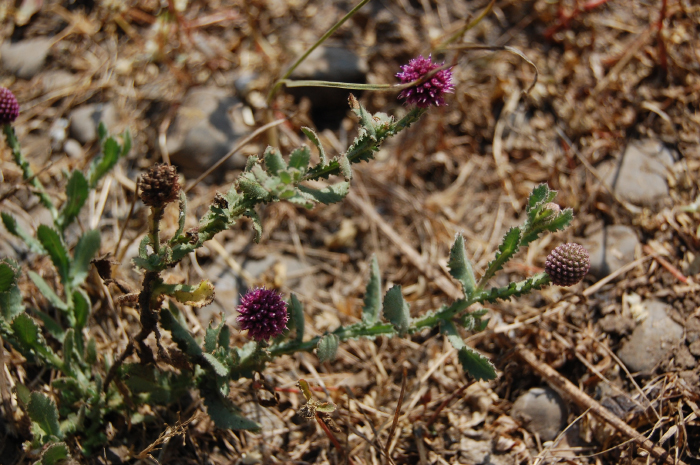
(90, 388)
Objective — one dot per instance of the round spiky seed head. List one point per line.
(567, 264)
(9, 107)
(159, 186)
(263, 313)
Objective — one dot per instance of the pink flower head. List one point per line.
(9, 108)
(263, 313)
(429, 92)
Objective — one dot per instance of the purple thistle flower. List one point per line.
(567, 264)
(9, 108)
(429, 92)
(263, 313)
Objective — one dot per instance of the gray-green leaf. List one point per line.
(52, 242)
(76, 195)
(460, 266)
(13, 228)
(327, 347)
(88, 245)
(373, 294)
(225, 415)
(396, 310)
(42, 411)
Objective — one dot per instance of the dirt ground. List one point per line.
(612, 74)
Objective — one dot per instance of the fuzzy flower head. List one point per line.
(432, 90)
(567, 264)
(159, 185)
(263, 313)
(9, 107)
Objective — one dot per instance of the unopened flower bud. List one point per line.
(553, 207)
(263, 313)
(9, 107)
(159, 186)
(567, 264)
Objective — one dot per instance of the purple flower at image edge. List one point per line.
(263, 313)
(9, 107)
(432, 90)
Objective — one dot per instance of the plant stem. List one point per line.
(27, 172)
(323, 38)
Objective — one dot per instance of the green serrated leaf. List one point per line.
(55, 454)
(345, 168)
(476, 364)
(10, 295)
(473, 363)
(88, 245)
(47, 292)
(327, 347)
(68, 345)
(257, 225)
(219, 368)
(373, 294)
(182, 214)
(366, 120)
(42, 411)
(396, 310)
(508, 247)
(26, 330)
(296, 317)
(225, 415)
(181, 335)
(111, 152)
(251, 188)
(299, 158)
(51, 325)
(313, 137)
(81, 308)
(328, 195)
(91, 351)
(13, 228)
(211, 337)
(540, 195)
(52, 242)
(460, 266)
(76, 195)
(273, 160)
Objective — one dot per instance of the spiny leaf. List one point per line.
(274, 161)
(313, 137)
(296, 318)
(181, 335)
(13, 228)
(257, 225)
(52, 242)
(76, 195)
(225, 415)
(111, 152)
(328, 195)
(43, 412)
(81, 308)
(211, 337)
(47, 292)
(396, 310)
(540, 195)
(473, 363)
(373, 294)
(53, 328)
(219, 368)
(327, 347)
(55, 454)
(299, 158)
(88, 245)
(506, 250)
(10, 295)
(460, 266)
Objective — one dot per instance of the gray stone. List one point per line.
(542, 411)
(73, 148)
(639, 177)
(85, 119)
(338, 64)
(26, 58)
(610, 248)
(651, 341)
(206, 127)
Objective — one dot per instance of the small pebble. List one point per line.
(542, 411)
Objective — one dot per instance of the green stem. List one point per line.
(323, 38)
(154, 228)
(27, 172)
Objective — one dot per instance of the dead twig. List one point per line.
(583, 400)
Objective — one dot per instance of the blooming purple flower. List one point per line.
(263, 313)
(567, 264)
(429, 92)
(9, 108)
